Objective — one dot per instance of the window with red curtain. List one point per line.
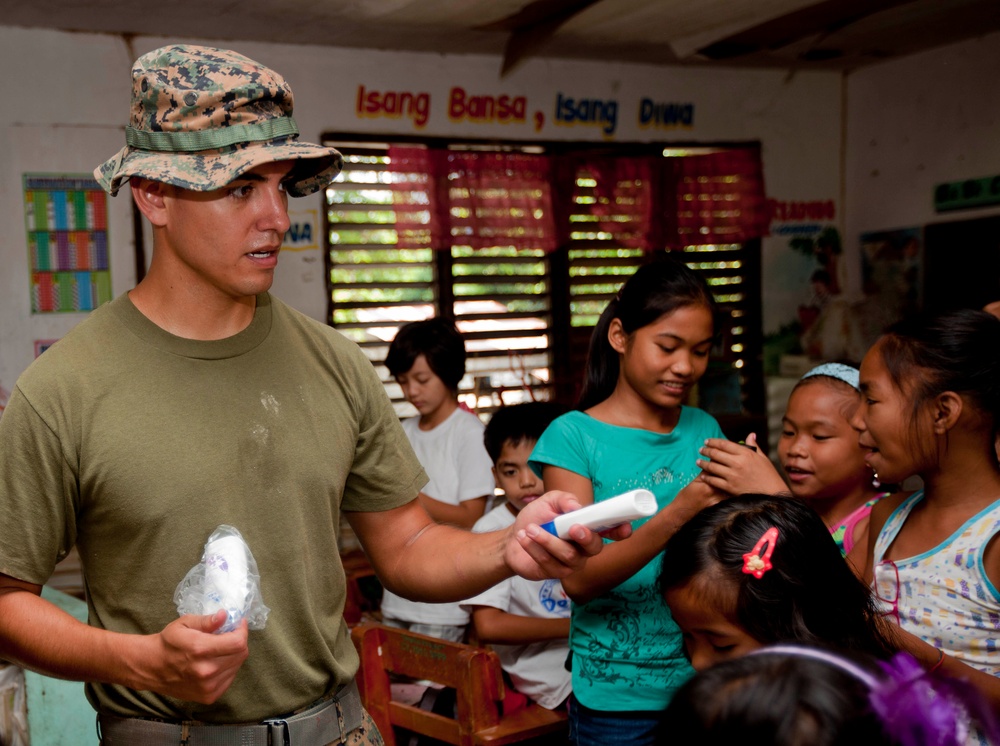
(524, 249)
(410, 175)
(714, 198)
(615, 195)
(481, 199)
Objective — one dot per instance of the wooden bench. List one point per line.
(475, 675)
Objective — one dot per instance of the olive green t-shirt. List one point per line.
(135, 444)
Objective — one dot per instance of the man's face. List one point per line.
(225, 243)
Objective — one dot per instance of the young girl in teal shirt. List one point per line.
(632, 430)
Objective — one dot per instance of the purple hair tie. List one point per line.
(916, 709)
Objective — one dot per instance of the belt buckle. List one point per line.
(277, 732)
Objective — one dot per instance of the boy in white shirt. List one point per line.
(427, 358)
(526, 622)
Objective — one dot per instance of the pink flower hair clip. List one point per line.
(756, 563)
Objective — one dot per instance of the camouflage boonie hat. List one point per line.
(201, 117)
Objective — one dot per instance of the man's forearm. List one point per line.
(419, 559)
(185, 660)
(458, 563)
(39, 636)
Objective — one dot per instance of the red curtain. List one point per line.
(446, 198)
(621, 200)
(413, 184)
(714, 198)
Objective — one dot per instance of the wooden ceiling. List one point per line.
(793, 34)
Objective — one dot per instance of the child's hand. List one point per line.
(735, 468)
(694, 498)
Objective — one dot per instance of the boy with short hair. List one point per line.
(526, 622)
(427, 358)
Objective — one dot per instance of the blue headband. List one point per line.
(841, 372)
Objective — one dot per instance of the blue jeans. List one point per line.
(604, 728)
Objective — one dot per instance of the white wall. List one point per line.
(68, 114)
(913, 124)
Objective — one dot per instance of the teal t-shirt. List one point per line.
(627, 649)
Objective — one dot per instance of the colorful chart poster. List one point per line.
(67, 226)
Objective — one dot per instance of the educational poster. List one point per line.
(803, 275)
(891, 279)
(66, 217)
(303, 232)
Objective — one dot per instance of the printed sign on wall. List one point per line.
(303, 230)
(41, 345)
(474, 107)
(67, 226)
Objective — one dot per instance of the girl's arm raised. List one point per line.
(500, 627)
(623, 559)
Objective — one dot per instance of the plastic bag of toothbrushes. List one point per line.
(226, 578)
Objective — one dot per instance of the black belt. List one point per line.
(330, 720)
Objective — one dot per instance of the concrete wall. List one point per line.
(913, 124)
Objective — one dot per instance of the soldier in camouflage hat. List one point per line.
(198, 399)
(201, 117)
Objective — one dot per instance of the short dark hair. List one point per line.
(519, 423)
(809, 596)
(794, 695)
(436, 339)
(783, 700)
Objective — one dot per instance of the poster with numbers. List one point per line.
(66, 216)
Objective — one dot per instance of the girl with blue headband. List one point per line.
(819, 454)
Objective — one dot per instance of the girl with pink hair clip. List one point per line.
(758, 570)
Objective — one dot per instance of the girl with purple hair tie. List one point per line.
(790, 695)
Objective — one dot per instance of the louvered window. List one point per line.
(527, 313)
(499, 295)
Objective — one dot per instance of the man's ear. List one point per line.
(148, 196)
(617, 336)
(947, 410)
